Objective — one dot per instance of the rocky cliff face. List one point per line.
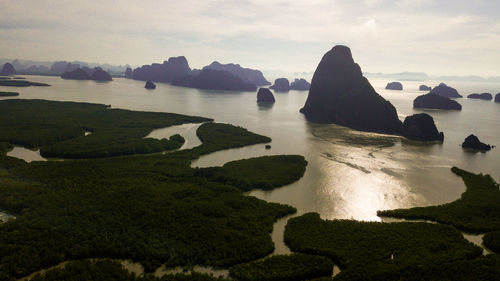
(340, 94)
(247, 75)
(166, 72)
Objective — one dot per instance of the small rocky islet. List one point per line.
(473, 142)
(483, 96)
(394, 86)
(421, 127)
(281, 85)
(264, 95)
(435, 101)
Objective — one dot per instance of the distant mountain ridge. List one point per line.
(57, 68)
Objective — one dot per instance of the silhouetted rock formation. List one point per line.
(424, 88)
(129, 73)
(265, 95)
(100, 75)
(497, 97)
(436, 101)
(281, 85)
(8, 69)
(421, 127)
(210, 79)
(300, 85)
(340, 94)
(473, 142)
(394, 86)
(78, 74)
(150, 85)
(167, 72)
(445, 91)
(97, 74)
(483, 96)
(247, 75)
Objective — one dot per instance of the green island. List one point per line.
(292, 267)
(391, 251)
(266, 172)
(8, 94)
(107, 270)
(58, 128)
(153, 209)
(20, 83)
(477, 211)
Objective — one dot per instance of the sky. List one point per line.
(447, 37)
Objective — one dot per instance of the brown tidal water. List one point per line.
(350, 174)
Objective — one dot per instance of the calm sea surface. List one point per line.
(350, 174)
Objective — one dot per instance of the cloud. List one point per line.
(259, 33)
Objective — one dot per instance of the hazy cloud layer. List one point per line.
(438, 37)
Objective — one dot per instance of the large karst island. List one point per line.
(340, 94)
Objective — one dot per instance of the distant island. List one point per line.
(96, 74)
(281, 85)
(247, 75)
(483, 96)
(394, 86)
(216, 76)
(424, 88)
(300, 85)
(210, 79)
(445, 91)
(436, 101)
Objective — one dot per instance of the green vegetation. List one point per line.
(293, 267)
(478, 210)
(8, 94)
(58, 128)
(266, 172)
(20, 83)
(381, 251)
(491, 240)
(211, 135)
(5, 147)
(107, 270)
(153, 209)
